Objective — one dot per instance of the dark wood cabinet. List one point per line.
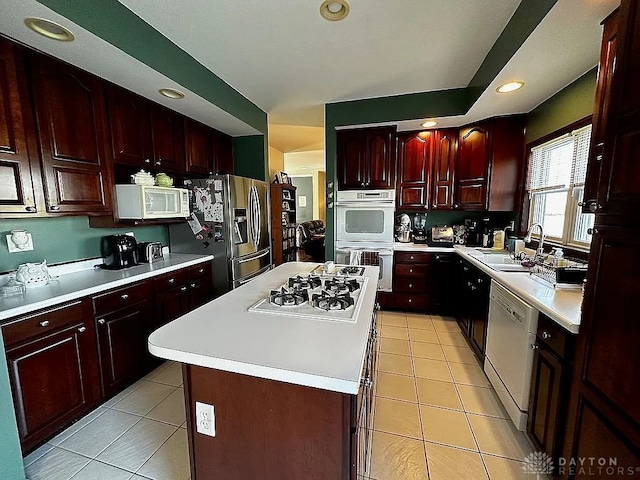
(198, 148)
(552, 364)
(53, 369)
(412, 281)
(445, 149)
(472, 310)
(129, 126)
(413, 170)
(608, 53)
(223, 153)
(72, 135)
(489, 165)
(366, 158)
(167, 129)
(124, 322)
(200, 285)
(17, 194)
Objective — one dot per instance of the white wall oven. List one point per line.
(365, 215)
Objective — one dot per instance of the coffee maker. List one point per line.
(474, 233)
(420, 228)
(119, 251)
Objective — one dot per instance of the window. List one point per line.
(557, 171)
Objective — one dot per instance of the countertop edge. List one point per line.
(32, 307)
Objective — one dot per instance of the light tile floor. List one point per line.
(436, 417)
(138, 434)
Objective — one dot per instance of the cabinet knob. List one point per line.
(193, 285)
(411, 285)
(437, 257)
(456, 205)
(535, 346)
(592, 231)
(158, 163)
(594, 207)
(82, 329)
(54, 208)
(546, 335)
(581, 204)
(201, 270)
(599, 158)
(433, 206)
(480, 280)
(183, 289)
(44, 323)
(411, 257)
(411, 270)
(102, 321)
(410, 300)
(473, 288)
(30, 209)
(147, 160)
(172, 280)
(124, 296)
(466, 269)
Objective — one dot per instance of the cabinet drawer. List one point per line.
(120, 298)
(169, 280)
(413, 257)
(554, 336)
(410, 285)
(202, 270)
(41, 322)
(412, 302)
(403, 270)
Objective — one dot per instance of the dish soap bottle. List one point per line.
(498, 239)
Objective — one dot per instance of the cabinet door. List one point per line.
(122, 337)
(442, 282)
(16, 187)
(471, 169)
(71, 120)
(380, 158)
(619, 190)
(544, 400)
(608, 53)
(478, 319)
(351, 167)
(170, 305)
(223, 153)
(129, 127)
(414, 163)
(51, 380)
(167, 132)
(198, 148)
(200, 292)
(445, 145)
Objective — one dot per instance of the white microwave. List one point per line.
(143, 202)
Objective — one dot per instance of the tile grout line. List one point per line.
(154, 452)
(415, 387)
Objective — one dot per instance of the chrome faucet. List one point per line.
(527, 239)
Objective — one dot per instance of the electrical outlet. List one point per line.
(23, 244)
(205, 419)
(130, 234)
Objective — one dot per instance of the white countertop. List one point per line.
(224, 335)
(562, 305)
(71, 286)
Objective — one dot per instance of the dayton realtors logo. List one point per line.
(539, 463)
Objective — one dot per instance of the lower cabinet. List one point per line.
(53, 369)
(123, 330)
(548, 399)
(472, 313)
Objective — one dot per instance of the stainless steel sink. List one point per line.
(498, 260)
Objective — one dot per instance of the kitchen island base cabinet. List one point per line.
(269, 430)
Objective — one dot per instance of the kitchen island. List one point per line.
(291, 393)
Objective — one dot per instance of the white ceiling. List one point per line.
(285, 58)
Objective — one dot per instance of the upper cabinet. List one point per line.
(608, 54)
(168, 139)
(489, 165)
(72, 136)
(366, 158)
(223, 153)
(198, 148)
(445, 146)
(413, 169)
(17, 194)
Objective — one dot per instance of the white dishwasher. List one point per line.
(511, 334)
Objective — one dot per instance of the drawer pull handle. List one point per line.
(183, 289)
(411, 257)
(30, 209)
(124, 296)
(201, 270)
(82, 329)
(546, 335)
(172, 280)
(54, 208)
(44, 323)
(102, 321)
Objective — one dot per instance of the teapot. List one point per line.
(33, 274)
(142, 178)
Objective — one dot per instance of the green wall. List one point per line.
(11, 467)
(65, 239)
(570, 104)
(250, 156)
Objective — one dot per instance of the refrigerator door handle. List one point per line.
(254, 208)
(244, 260)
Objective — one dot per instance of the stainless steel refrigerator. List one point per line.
(230, 220)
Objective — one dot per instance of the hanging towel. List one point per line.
(355, 257)
(370, 258)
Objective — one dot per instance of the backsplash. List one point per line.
(65, 239)
(498, 219)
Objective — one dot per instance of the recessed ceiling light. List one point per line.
(49, 29)
(334, 10)
(429, 123)
(509, 87)
(171, 93)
